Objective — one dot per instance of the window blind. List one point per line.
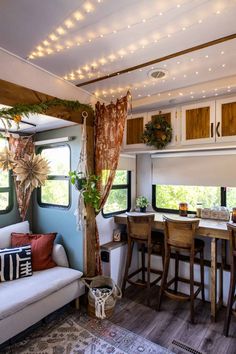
(206, 170)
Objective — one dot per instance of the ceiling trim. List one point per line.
(158, 60)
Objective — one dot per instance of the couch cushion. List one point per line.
(59, 255)
(5, 232)
(42, 245)
(17, 294)
(15, 263)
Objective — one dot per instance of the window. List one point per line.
(168, 197)
(119, 199)
(56, 191)
(6, 193)
(230, 197)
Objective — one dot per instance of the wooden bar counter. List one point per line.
(215, 230)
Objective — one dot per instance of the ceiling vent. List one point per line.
(157, 73)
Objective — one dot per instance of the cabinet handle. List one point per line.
(217, 129)
(212, 128)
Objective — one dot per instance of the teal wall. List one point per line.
(58, 220)
(12, 217)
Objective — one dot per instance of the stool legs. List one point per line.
(202, 274)
(164, 278)
(231, 297)
(192, 288)
(143, 262)
(128, 263)
(176, 271)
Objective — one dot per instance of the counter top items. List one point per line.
(142, 202)
(234, 215)
(183, 209)
(116, 235)
(199, 210)
(220, 213)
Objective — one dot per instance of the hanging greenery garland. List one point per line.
(15, 113)
(158, 133)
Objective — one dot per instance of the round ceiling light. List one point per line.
(157, 73)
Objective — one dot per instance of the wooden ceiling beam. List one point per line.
(158, 60)
(11, 94)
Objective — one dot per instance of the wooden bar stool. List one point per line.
(180, 237)
(139, 230)
(231, 296)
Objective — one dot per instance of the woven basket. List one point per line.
(91, 311)
(99, 282)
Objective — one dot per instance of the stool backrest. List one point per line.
(232, 238)
(180, 233)
(139, 227)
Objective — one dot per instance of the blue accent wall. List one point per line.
(13, 216)
(62, 221)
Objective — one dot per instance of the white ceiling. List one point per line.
(82, 40)
(36, 123)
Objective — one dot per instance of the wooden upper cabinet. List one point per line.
(226, 119)
(198, 123)
(134, 129)
(171, 116)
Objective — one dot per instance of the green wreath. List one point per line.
(158, 133)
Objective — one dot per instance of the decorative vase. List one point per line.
(143, 209)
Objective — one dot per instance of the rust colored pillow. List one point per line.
(41, 246)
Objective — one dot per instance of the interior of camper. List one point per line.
(117, 176)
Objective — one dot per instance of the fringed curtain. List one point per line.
(109, 131)
(20, 147)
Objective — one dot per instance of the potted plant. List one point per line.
(88, 187)
(142, 202)
(77, 179)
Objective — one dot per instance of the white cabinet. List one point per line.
(134, 128)
(208, 122)
(198, 123)
(226, 119)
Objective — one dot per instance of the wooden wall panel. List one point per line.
(228, 123)
(198, 123)
(134, 131)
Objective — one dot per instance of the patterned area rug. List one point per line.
(76, 333)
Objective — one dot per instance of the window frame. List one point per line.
(55, 178)
(8, 190)
(121, 186)
(223, 192)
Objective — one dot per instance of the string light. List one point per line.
(88, 7)
(67, 25)
(168, 94)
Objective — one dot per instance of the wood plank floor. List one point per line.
(172, 323)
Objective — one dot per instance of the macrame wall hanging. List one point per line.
(82, 168)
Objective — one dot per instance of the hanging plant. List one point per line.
(158, 133)
(87, 185)
(15, 113)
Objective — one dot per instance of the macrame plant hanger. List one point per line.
(82, 167)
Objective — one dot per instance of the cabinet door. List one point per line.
(198, 123)
(171, 116)
(226, 119)
(134, 129)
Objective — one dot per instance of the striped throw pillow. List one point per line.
(15, 263)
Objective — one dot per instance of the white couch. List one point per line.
(25, 301)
